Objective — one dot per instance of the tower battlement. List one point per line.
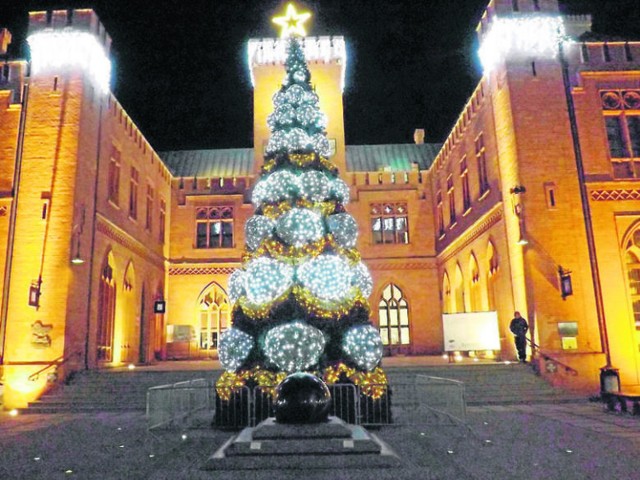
(80, 20)
(64, 40)
(273, 51)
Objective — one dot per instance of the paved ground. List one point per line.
(501, 442)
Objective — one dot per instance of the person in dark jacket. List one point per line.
(519, 328)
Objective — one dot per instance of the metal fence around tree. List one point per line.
(196, 403)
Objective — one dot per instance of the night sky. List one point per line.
(181, 70)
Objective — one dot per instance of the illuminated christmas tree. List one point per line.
(300, 298)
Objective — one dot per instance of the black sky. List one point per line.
(181, 69)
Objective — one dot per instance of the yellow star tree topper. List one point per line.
(292, 22)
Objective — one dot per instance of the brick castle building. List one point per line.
(112, 253)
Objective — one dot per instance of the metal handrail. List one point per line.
(535, 347)
(61, 360)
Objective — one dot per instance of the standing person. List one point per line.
(519, 328)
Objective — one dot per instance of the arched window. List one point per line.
(214, 312)
(633, 274)
(492, 270)
(106, 311)
(475, 295)
(393, 311)
(446, 293)
(458, 291)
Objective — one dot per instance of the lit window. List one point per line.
(622, 125)
(133, 193)
(393, 315)
(113, 180)
(464, 179)
(389, 223)
(148, 223)
(214, 227)
(214, 312)
(481, 161)
(633, 277)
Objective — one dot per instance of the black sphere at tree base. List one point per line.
(302, 398)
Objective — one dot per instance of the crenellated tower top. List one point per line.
(70, 39)
(525, 29)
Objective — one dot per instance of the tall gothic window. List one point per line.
(452, 200)
(475, 295)
(393, 314)
(622, 123)
(148, 223)
(440, 211)
(464, 179)
(389, 223)
(106, 312)
(113, 177)
(214, 227)
(162, 220)
(492, 271)
(458, 291)
(481, 161)
(134, 181)
(446, 293)
(214, 313)
(633, 275)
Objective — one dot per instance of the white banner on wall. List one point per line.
(464, 332)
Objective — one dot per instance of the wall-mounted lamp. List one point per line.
(522, 240)
(517, 190)
(566, 288)
(34, 293)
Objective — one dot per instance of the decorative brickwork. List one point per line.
(3, 211)
(615, 195)
(117, 235)
(471, 235)
(201, 270)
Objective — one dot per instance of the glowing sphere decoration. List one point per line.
(266, 279)
(283, 115)
(297, 139)
(294, 94)
(362, 279)
(315, 186)
(340, 190)
(233, 349)
(257, 229)
(279, 186)
(302, 398)
(363, 345)
(321, 144)
(236, 286)
(344, 229)
(300, 226)
(326, 276)
(294, 346)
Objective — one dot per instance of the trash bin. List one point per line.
(609, 380)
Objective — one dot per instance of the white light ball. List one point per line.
(310, 97)
(306, 114)
(257, 228)
(315, 186)
(362, 279)
(344, 229)
(236, 285)
(297, 139)
(277, 141)
(321, 144)
(233, 349)
(280, 98)
(295, 94)
(363, 345)
(340, 190)
(294, 347)
(326, 276)
(279, 186)
(300, 226)
(266, 279)
(299, 76)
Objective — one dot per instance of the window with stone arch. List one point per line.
(475, 295)
(393, 315)
(492, 271)
(458, 291)
(446, 293)
(632, 263)
(214, 312)
(106, 310)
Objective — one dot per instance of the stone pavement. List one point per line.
(520, 442)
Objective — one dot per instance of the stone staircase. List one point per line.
(485, 384)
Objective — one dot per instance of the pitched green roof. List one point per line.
(238, 162)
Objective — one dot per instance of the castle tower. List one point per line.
(520, 54)
(48, 297)
(327, 59)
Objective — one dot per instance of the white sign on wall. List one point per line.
(464, 332)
